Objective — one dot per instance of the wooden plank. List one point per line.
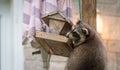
(89, 12)
(59, 45)
(56, 26)
(57, 16)
(44, 45)
(66, 19)
(52, 36)
(59, 48)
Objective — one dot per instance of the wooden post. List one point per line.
(89, 12)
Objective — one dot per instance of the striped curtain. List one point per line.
(34, 9)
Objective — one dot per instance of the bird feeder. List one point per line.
(55, 42)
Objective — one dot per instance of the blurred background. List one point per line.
(16, 57)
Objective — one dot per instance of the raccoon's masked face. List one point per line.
(78, 35)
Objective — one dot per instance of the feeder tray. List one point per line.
(54, 43)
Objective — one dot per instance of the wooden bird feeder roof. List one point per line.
(55, 16)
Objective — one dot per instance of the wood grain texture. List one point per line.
(54, 43)
(57, 22)
(44, 45)
(56, 26)
(89, 12)
(52, 36)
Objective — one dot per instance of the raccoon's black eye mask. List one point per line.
(76, 36)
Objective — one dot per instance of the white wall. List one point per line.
(6, 36)
(18, 48)
(11, 35)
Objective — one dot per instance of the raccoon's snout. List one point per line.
(76, 36)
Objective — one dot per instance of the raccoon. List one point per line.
(89, 52)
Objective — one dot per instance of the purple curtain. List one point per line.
(34, 9)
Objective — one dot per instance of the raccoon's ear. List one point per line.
(78, 22)
(85, 31)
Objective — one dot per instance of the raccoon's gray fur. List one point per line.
(89, 52)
